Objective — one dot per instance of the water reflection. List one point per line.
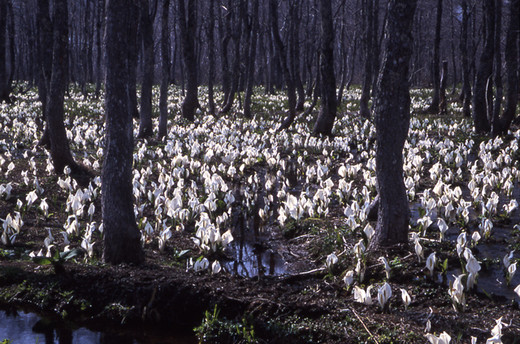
(24, 327)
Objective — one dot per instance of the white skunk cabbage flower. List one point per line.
(384, 293)
(387, 266)
(215, 267)
(444, 338)
(363, 296)
(496, 333)
(331, 260)
(430, 263)
(406, 298)
(349, 278)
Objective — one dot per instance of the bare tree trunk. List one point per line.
(132, 61)
(165, 66)
(44, 25)
(188, 25)
(434, 106)
(392, 119)
(4, 87)
(368, 37)
(443, 103)
(466, 83)
(511, 57)
(59, 144)
(99, 54)
(251, 60)
(495, 116)
(146, 22)
(484, 72)
(281, 51)
(327, 115)
(122, 240)
(211, 57)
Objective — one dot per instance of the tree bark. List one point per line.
(497, 104)
(512, 72)
(434, 106)
(368, 37)
(44, 26)
(4, 87)
(59, 144)
(282, 54)
(327, 115)
(392, 119)
(443, 103)
(122, 239)
(188, 25)
(251, 59)
(146, 25)
(211, 57)
(484, 72)
(165, 66)
(466, 82)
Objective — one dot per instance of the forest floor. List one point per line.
(278, 282)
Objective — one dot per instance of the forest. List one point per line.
(259, 171)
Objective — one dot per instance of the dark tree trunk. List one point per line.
(512, 72)
(45, 58)
(165, 66)
(132, 61)
(466, 82)
(443, 103)
(251, 60)
(238, 13)
(282, 54)
(211, 57)
(327, 115)
(225, 36)
(495, 115)
(392, 119)
(434, 106)
(60, 149)
(146, 25)
(368, 37)
(188, 26)
(4, 87)
(484, 72)
(122, 239)
(294, 53)
(99, 54)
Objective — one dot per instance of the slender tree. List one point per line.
(146, 14)
(211, 56)
(434, 106)
(281, 51)
(392, 119)
(466, 82)
(5, 79)
(187, 17)
(253, 32)
(485, 71)
(368, 73)
(122, 240)
(165, 68)
(327, 115)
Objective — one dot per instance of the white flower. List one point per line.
(443, 226)
(511, 271)
(349, 278)
(507, 259)
(331, 260)
(384, 293)
(44, 207)
(517, 290)
(444, 338)
(456, 291)
(387, 266)
(215, 267)
(363, 296)
(406, 298)
(201, 265)
(430, 263)
(496, 333)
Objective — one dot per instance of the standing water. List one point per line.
(20, 327)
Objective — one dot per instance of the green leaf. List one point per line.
(42, 260)
(68, 255)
